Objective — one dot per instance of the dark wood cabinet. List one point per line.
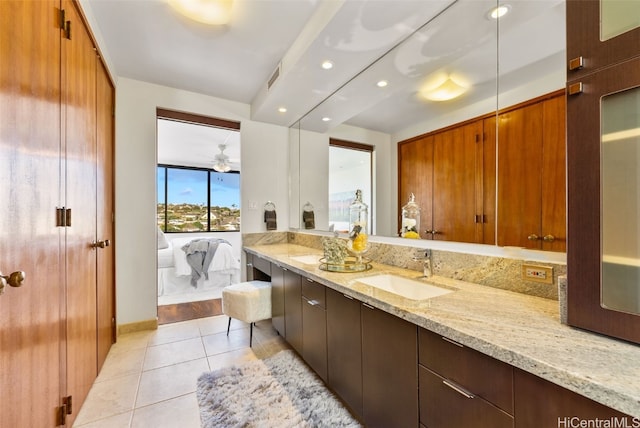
(314, 326)
(277, 299)
(389, 370)
(344, 349)
(444, 404)
(602, 120)
(591, 46)
(462, 387)
(531, 175)
(293, 310)
(555, 406)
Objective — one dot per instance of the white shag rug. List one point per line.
(279, 392)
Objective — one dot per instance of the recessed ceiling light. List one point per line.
(327, 65)
(282, 109)
(382, 83)
(326, 119)
(500, 11)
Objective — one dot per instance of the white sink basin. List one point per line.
(309, 259)
(405, 287)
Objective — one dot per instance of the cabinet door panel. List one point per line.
(277, 299)
(389, 370)
(584, 37)
(79, 95)
(314, 338)
(519, 165)
(293, 310)
(106, 303)
(31, 317)
(454, 178)
(554, 175)
(554, 405)
(587, 201)
(344, 349)
(415, 175)
(486, 183)
(442, 406)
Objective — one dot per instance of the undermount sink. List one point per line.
(308, 259)
(405, 287)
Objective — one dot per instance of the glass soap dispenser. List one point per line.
(358, 218)
(410, 219)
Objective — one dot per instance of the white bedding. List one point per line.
(174, 273)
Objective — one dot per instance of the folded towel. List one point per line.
(270, 219)
(308, 217)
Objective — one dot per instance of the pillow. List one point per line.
(162, 240)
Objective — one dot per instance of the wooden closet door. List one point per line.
(519, 166)
(105, 209)
(454, 183)
(31, 317)
(79, 101)
(415, 175)
(554, 174)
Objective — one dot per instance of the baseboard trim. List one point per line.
(138, 326)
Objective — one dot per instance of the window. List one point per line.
(349, 170)
(197, 199)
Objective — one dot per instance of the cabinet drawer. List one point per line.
(444, 404)
(313, 291)
(262, 265)
(486, 377)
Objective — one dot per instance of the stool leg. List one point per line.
(228, 326)
(250, 334)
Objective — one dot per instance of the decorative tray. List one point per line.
(350, 264)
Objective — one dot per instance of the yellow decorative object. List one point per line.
(411, 235)
(359, 242)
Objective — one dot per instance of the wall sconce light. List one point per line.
(210, 12)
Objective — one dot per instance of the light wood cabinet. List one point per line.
(56, 151)
(444, 171)
(531, 175)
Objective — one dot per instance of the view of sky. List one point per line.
(190, 187)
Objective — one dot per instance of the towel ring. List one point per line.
(307, 207)
(270, 206)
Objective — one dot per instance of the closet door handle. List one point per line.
(14, 279)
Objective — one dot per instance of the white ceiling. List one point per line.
(146, 40)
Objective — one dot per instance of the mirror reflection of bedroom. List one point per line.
(198, 213)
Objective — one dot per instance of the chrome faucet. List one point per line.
(427, 268)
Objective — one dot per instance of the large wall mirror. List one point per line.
(494, 63)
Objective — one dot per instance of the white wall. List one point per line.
(264, 177)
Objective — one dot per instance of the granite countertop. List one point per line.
(521, 330)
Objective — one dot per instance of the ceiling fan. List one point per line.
(222, 160)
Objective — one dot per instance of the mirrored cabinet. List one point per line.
(603, 150)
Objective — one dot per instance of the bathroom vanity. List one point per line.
(476, 356)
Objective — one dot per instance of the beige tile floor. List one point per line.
(149, 378)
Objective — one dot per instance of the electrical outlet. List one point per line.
(537, 273)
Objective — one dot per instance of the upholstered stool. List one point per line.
(247, 301)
